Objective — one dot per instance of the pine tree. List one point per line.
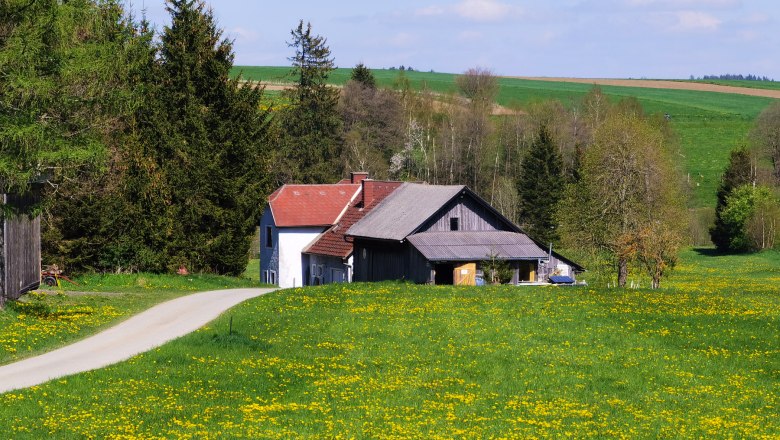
(738, 172)
(310, 128)
(364, 76)
(540, 185)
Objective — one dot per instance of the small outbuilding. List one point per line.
(20, 246)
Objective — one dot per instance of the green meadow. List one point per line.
(54, 317)
(699, 358)
(709, 125)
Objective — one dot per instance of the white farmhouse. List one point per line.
(296, 215)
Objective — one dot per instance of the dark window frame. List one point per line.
(269, 236)
(454, 223)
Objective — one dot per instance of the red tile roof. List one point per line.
(310, 205)
(332, 242)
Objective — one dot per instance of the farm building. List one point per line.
(20, 246)
(441, 234)
(302, 230)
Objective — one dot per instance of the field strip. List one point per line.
(498, 110)
(660, 84)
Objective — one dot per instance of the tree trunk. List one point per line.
(656, 281)
(622, 272)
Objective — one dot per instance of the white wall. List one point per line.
(292, 241)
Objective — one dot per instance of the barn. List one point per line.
(441, 235)
(20, 246)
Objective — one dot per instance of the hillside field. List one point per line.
(697, 359)
(709, 124)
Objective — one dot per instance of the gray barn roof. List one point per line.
(476, 245)
(404, 210)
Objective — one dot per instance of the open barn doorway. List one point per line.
(444, 274)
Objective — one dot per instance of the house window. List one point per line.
(269, 237)
(454, 224)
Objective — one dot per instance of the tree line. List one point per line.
(733, 77)
(158, 158)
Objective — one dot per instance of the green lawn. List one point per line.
(709, 124)
(41, 322)
(699, 359)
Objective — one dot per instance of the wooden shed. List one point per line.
(20, 246)
(441, 234)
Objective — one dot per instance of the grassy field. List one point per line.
(768, 85)
(699, 359)
(709, 124)
(42, 321)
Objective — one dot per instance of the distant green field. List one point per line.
(767, 85)
(709, 124)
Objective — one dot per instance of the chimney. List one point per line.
(358, 177)
(368, 191)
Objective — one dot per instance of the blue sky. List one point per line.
(580, 38)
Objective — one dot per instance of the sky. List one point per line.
(558, 38)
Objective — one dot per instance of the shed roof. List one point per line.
(401, 213)
(476, 245)
(310, 205)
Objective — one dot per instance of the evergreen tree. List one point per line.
(739, 172)
(364, 76)
(310, 145)
(57, 93)
(206, 134)
(540, 186)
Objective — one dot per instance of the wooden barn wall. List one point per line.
(21, 262)
(471, 215)
(383, 261)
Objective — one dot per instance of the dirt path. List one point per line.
(661, 84)
(143, 332)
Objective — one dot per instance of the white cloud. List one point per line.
(430, 11)
(485, 10)
(695, 21)
(402, 39)
(684, 4)
(472, 10)
(470, 36)
(243, 35)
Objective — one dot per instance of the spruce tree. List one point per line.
(56, 92)
(738, 172)
(206, 133)
(540, 185)
(310, 145)
(364, 76)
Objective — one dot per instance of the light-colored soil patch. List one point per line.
(662, 84)
(498, 110)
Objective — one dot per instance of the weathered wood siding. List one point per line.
(20, 265)
(472, 216)
(383, 260)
